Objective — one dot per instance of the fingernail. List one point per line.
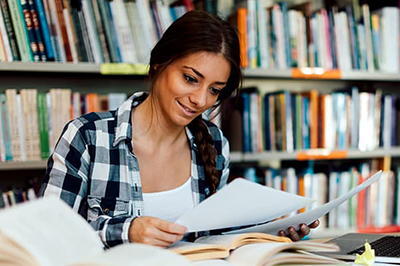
(302, 227)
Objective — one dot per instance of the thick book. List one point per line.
(254, 249)
(70, 240)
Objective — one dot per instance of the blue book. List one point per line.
(306, 123)
(267, 128)
(5, 125)
(332, 39)
(289, 122)
(44, 28)
(246, 123)
(283, 6)
(113, 32)
(353, 38)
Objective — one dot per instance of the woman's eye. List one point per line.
(215, 91)
(190, 79)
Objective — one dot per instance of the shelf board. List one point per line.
(320, 74)
(25, 165)
(50, 67)
(84, 68)
(308, 73)
(317, 154)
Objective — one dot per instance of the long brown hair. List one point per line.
(199, 31)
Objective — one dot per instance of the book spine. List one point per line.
(81, 50)
(4, 39)
(43, 125)
(85, 33)
(92, 31)
(70, 33)
(36, 29)
(6, 128)
(10, 30)
(63, 30)
(44, 30)
(101, 31)
(20, 30)
(105, 17)
(30, 30)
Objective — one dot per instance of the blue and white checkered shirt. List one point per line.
(93, 169)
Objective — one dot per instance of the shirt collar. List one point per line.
(123, 121)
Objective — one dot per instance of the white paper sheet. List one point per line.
(241, 202)
(309, 216)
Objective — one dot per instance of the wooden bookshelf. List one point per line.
(317, 154)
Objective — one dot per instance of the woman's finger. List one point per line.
(293, 234)
(314, 224)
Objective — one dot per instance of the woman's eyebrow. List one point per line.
(202, 76)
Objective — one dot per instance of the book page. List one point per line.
(239, 203)
(260, 253)
(309, 216)
(51, 231)
(134, 254)
(212, 263)
(235, 240)
(199, 251)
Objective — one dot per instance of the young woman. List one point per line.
(133, 171)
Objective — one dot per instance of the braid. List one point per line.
(207, 151)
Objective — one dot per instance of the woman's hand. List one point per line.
(298, 235)
(154, 231)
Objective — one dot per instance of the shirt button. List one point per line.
(106, 210)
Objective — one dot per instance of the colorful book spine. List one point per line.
(43, 126)
(5, 124)
(36, 28)
(30, 30)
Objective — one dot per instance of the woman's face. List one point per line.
(190, 85)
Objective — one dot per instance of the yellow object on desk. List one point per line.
(367, 258)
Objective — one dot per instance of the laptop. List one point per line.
(387, 247)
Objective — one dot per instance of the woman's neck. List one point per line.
(150, 124)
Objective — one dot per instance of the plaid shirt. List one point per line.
(93, 169)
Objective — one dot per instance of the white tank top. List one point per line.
(170, 204)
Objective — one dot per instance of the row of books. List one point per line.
(97, 31)
(31, 121)
(13, 197)
(376, 206)
(285, 121)
(278, 37)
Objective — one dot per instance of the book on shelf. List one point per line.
(33, 242)
(254, 249)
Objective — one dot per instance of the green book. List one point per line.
(43, 125)
(21, 32)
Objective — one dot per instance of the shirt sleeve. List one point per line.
(67, 177)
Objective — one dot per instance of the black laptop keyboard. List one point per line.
(387, 246)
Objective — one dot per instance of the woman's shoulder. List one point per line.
(90, 122)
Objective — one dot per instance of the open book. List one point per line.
(254, 249)
(48, 232)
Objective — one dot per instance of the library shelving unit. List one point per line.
(79, 77)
